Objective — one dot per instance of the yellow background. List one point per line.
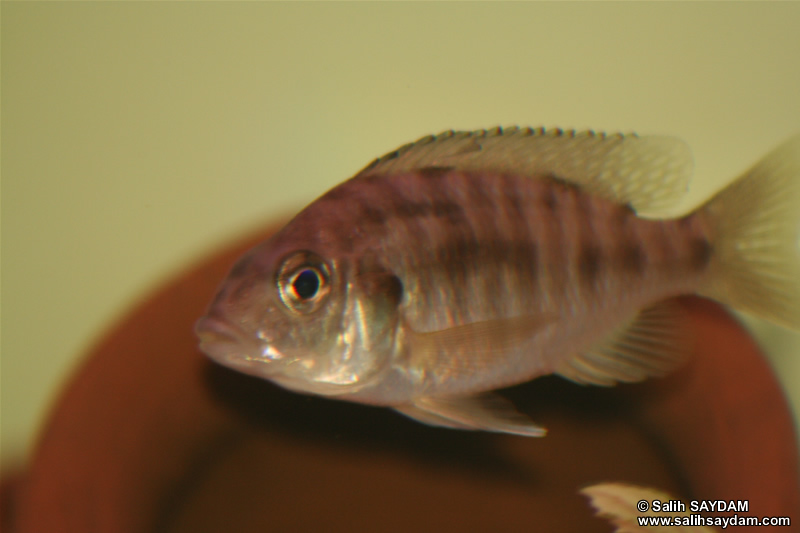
(137, 137)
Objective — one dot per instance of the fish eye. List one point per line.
(303, 282)
(306, 283)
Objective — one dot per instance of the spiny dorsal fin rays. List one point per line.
(651, 174)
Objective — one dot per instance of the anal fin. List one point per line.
(487, 412)
(652, 344)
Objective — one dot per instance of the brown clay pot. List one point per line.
(149, 435)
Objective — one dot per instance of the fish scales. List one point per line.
(460, 240)
(471, 261)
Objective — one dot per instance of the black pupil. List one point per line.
(306, 284)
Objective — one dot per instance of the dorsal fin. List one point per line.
(648, 173)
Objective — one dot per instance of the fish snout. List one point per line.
(218, 338)
(227, 344)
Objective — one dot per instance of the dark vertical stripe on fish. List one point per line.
(590, 263)
(549, 198)
(463, 258)
(630, 253)
(371, 216)
(591, 256)
(551, 232)
(632, 258)
(700, 251)
(511, 241)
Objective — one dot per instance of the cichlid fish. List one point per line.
(471, 261)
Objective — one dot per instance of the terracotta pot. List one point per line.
(151, 436)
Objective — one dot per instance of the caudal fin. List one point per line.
(756, 222)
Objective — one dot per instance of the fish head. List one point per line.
(304, 315)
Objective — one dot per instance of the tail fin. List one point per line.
(756, 222)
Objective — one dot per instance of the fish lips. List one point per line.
(228, 345)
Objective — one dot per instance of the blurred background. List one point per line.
(139, 137)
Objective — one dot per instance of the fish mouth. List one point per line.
(223, 341)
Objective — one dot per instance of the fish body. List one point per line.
(472, 261)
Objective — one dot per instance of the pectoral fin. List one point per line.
(652, 344)
(487, 412)
(464, 351)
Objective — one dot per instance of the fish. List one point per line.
(471, 261)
